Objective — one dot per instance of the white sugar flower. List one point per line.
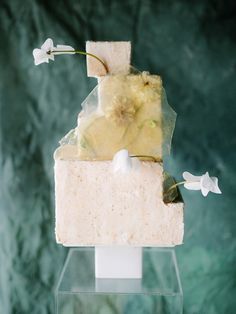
(43, 54)
(205, 183)
(123, 163)
(47, 51)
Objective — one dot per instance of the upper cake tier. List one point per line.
(124, 111)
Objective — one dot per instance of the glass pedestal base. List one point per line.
(159, 290)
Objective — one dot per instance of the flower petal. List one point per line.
(50, 56)
(190, 177)
(192, 186)
(121, 161)
(210, 184)
(207, 182)
(40, 56)
(215, 188)
(47, 45)
(204, 191)
(63, 49)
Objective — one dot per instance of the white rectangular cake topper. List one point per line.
(115, 54)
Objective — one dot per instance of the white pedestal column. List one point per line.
(118, 262)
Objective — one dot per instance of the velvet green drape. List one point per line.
(192, 45)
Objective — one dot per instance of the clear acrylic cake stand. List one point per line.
(159, 290)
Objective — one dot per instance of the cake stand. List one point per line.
(158, 291)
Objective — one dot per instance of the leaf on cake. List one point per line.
(170, 193)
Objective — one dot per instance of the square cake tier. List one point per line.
(95, 206)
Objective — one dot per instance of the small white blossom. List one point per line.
(43, 54)
(47, 51)
(123, 163)
(205, 183)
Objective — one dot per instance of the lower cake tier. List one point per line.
(95, 206)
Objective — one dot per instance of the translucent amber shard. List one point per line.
(124, 111)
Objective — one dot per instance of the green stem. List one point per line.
(145, 156)
(175, 185)
(83, 53)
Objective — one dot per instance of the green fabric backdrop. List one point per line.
(192, 46)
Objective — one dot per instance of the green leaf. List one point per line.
(169, 194)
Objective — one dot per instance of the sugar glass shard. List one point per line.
(123, 111)
(168, 119)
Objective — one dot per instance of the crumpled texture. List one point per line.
(192, 46)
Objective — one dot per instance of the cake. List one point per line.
(111, 189)
(95, 205)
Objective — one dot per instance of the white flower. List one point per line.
(43, 54)
(47, 51)
(205, 183)
(123, 163)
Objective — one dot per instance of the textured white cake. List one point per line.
(96, 206)
(115, 54)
